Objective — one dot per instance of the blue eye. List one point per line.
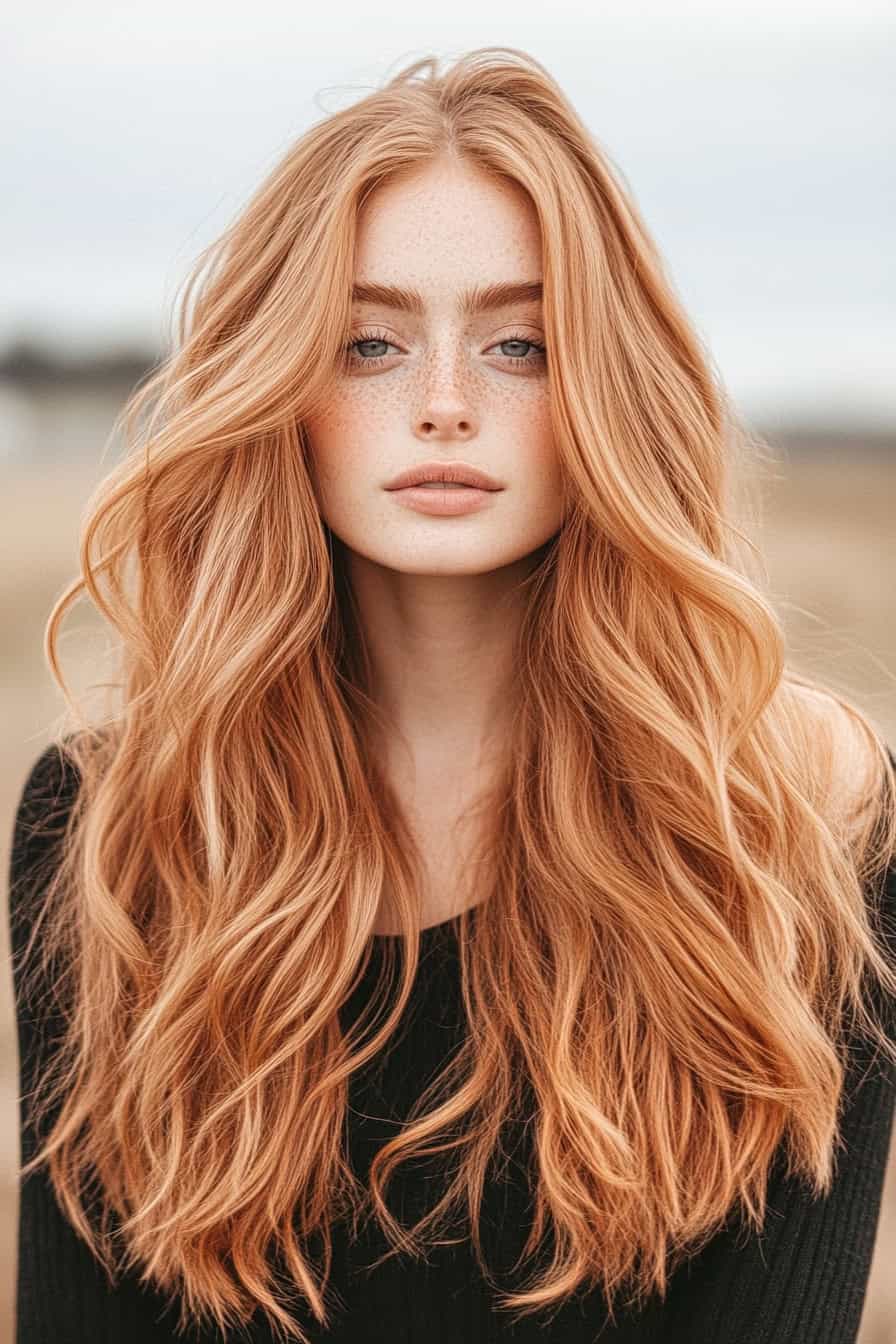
(366, 338)
(377, 338)
(523, 359)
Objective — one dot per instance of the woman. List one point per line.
(460, 929)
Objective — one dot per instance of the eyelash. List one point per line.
(378, 359)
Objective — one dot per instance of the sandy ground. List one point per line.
(830, 548)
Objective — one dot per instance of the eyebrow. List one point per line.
(478, 299)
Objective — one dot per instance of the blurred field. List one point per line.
(830, 546)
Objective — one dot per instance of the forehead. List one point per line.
(447, 236)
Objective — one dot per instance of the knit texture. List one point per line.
(803, 1279)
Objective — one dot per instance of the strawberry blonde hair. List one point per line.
(675, 932)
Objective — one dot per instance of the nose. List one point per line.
(445, 422)
(446, 412)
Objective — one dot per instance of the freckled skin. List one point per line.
(437, 595)
(446, 389)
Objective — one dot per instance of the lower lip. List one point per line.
(444, 503)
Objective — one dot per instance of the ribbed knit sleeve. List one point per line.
(62, 1294)
(804, 1280)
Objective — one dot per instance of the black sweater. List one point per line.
(804, 1279)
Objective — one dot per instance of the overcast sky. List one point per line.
(758, 143)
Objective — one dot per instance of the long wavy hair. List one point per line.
(673, 938)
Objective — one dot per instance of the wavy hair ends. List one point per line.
(666, 871)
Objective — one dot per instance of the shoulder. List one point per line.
(848, 762)
(851, 765)
(45, 800)
(41, 816)
(39, 828)
(851, 777)
(50, 780)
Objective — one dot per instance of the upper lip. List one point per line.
(456, 473)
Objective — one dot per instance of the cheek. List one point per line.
(532, 431)
(335, 440)
(356, 419)
(540, 495)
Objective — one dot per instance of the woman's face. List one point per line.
(441, 384)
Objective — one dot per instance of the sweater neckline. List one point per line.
(429, 932)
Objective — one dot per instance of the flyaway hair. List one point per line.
(676, 943)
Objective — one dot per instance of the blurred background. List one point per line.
(758, 142)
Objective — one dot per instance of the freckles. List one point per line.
(529, 423)
(527, 403)
(364, 403)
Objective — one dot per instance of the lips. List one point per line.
(452, 473)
